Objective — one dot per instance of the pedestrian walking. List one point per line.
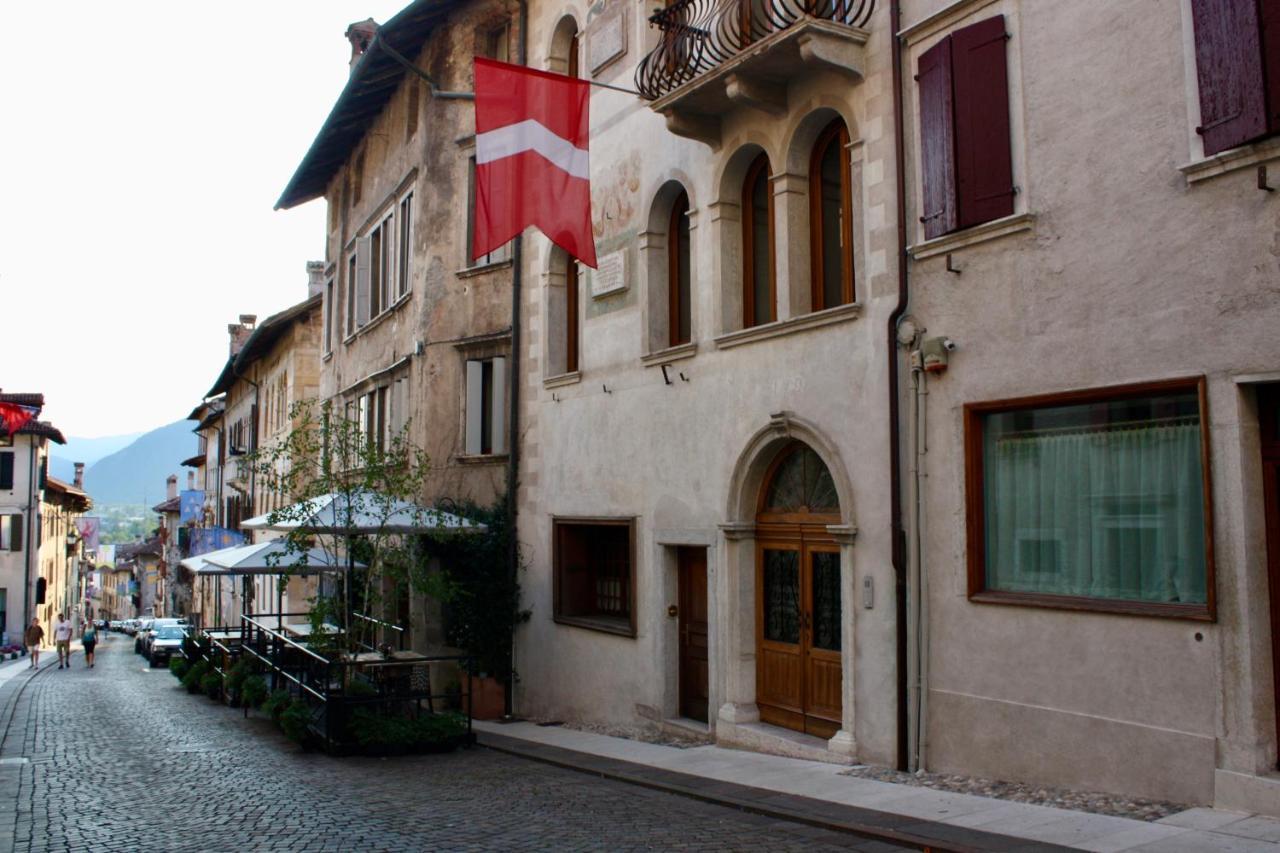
(89, 639)
(62, 631)
(32, 638)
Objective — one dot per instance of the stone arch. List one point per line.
(752, 466)
(800, 136)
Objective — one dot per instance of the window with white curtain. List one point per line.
(1092, 499)
(486, 407)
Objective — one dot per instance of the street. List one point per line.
(121, 758)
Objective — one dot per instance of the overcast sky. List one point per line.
(142, 146)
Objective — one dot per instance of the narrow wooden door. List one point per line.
(1269, 421)
(822, 676)
(694, 667)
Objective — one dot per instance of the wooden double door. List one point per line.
(799, 620)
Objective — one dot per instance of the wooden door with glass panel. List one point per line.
(798, 604)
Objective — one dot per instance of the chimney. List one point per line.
(315, 278)
(79, 480)
(360, 34)
(191, 480)
(239, 332)
(171, 487)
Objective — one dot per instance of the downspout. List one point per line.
(32, 533)
(895, 437)
(513, 440)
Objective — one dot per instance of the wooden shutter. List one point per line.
(1269, 24)
(498, 406)
(363, 256)
(475, 407)
(937, 140)
(1233, 102)
(984, 158)
(6, 470)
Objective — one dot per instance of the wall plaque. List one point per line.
(607, 39)
(611, 277)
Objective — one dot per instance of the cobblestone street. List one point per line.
(121, 758)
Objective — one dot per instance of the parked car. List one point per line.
(148, 634)
(166, 642)
(143, 627)
(131, 626)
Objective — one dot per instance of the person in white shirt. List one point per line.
(62, 630)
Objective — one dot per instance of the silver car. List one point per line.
(165, 643)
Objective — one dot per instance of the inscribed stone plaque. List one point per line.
(607, 39)
(611, 277)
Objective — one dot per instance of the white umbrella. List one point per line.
(271, 558)
(361, 511)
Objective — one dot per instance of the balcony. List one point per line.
(713, 56)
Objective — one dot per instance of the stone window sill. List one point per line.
(479, 459)
(376, 321)
(790, 326)
(605, 626)
(562, 379)
(1253, 154)
(983, 233)
(471, 272)
(670, 354)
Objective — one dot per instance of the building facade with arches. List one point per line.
(703, 487)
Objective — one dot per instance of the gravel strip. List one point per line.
(1094, 802)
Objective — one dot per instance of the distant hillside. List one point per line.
(87, 450)
(136, 474)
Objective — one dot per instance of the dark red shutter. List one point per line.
(1233, 102)
(15, 532)
(1269, 23)
(984, 158)
(937, 140)
(6, 470)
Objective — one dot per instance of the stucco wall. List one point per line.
(1128, 274)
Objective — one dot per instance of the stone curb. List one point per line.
(12, 745)
(868, 823)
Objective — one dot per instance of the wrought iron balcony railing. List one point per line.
(699, 35)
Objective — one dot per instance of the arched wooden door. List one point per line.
(798, 609)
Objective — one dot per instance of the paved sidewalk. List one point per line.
(816, 793)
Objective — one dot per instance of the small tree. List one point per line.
(373, 482)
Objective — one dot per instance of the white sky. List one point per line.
(142, 146)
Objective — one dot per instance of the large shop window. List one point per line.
(594, 584)
(965, 152)
(1238, 69)
(1092, 500)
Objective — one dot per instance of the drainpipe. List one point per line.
(32, 543)
(513, 439)
(895, 437)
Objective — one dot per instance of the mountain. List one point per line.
(136, 474)
(86, 450)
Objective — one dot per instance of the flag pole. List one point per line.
(471, 96)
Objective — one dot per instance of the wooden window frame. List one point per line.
(404, 246)
(836, 133)
(758, 165)
(975, 496)
(679, 208)
(571, 331)
(602, 624)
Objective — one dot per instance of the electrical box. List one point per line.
(868, 593)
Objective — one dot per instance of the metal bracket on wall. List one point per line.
(665, 377)
(952, 268)
(1262, 180)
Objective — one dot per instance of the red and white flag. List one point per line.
(532, 166)
(14, 416)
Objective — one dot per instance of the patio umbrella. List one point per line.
(362, 511)
(271, 558)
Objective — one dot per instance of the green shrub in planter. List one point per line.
(253, 692)
(211, 684)
(381, 732)
(236, 676)
(179, 666)
(191, 680)
(275, 704)
(295, 719)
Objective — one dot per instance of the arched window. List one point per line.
(758, 284)
(830, 219)
(679, 273)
